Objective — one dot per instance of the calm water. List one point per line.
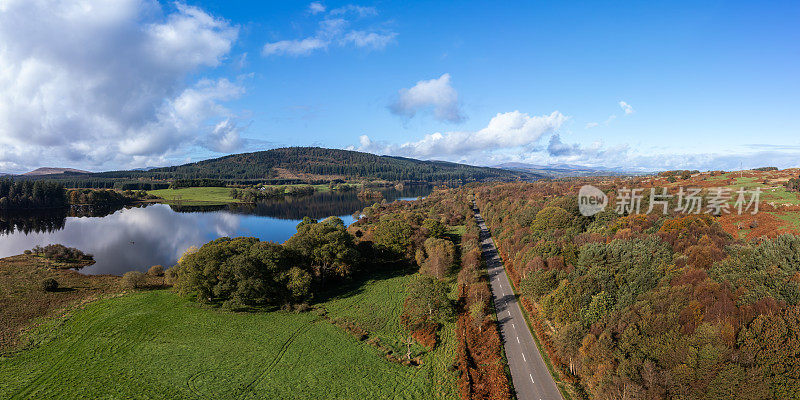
(136, 238)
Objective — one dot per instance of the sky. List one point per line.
(104, 85)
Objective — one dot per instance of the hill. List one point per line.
(54, 171)
(564, 170)
(315, 163)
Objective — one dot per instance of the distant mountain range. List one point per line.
(54, 171)
(565, 170)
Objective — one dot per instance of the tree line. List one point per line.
(20, 195)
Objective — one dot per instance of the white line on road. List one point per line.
(523, 357)
(531, 378)
(517, 339)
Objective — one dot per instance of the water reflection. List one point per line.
(138, 237)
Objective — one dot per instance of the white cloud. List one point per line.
(316, 7)
(369, 40)
(225, 137)
(557, 148)
(437, 94)
(105, 83)
(302, 47)
(627, 108)
(358, 10)
(591, 125)
(505, 131)
(332, 31)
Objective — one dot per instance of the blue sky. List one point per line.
(638, 85)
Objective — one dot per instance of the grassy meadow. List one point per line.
(211, 195)
(196, 195)
(156, 345)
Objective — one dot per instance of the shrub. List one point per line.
(171, 275)
(134, 280)
(28, 252)
(49, 285)
(59, 252)
(156, 270)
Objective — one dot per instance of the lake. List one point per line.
(135, 238)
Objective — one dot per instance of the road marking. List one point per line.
(517, 339)
(523, 357)
(531, 378)
(512, 325)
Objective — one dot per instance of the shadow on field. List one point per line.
(355, 286)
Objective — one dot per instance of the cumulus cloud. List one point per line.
(627, 108)
(316, 7)
(225, 137)
(504, 131)
(108, 82)
(436, 94)
(333, 30)
(558, 148)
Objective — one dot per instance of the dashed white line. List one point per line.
(531, 378)
(517, 339)
(523, 357)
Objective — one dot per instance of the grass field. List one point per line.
(210, 195)
(22, 301)
(196, 195)
(155, 345)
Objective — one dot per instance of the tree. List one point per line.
(434, 227)
(552, 218)
(439, 257)
(156, 270)
(326, 247)
(134, 280)
(426, 302)
(298, 283)
(393, 234)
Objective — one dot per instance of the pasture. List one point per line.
(155, 345)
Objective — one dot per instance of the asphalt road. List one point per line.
(529, 373)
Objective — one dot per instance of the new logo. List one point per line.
(591, 200)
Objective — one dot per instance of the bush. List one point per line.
(156, 270)
(134, 280)
(49, 285)
(171, 275)
(59, 252)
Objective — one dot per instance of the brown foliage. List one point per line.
(22, 299)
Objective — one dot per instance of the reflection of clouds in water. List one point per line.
(131, 238)
(226, 224)
(137, 238)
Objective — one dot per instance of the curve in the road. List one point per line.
(529, 373)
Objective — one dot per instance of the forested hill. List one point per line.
(316, 162)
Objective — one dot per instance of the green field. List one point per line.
(155, 345)
(196, 195)
(212, 195)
